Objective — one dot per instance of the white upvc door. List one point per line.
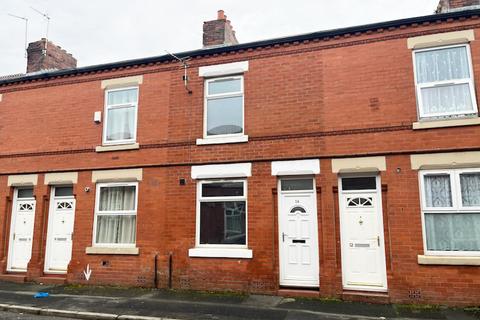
(59, 235)
(362, 238)
(298, 233)
(21, 233)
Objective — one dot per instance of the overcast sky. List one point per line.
(100, 31)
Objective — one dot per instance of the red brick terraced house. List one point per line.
(342, 163)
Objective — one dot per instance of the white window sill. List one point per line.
(118, 147)
(449, 260)
(444, 123)
(220, 140)
(220, 253)
(112, 250)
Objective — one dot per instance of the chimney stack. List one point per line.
(218, 33)
(457, 5)
(54, 57)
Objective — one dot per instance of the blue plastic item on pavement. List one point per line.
(41, 295)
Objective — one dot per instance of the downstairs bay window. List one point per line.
(115, 214)
(451, 211)
(444, 82)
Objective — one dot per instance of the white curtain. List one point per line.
(442, 65)
(438, 191)
(470, 185)
(119, 228)
(121, 122)
(121, 119)
(453, 231)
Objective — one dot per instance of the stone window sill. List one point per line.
(446, 123)
(112, 250)
(118, 147)
(449, 260)
(220, 253)
(221, 140)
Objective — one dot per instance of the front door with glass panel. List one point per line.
(60, 230)
(298, 233)
(21, 230)
(361, 228)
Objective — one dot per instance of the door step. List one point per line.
(52, 280)
(366, 296)
(291, 292)
(12, 277)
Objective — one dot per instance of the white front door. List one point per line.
(60, 229)
(21, 230)
(298, 233)
(361, 222)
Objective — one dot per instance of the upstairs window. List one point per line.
(120, 116)
(224, 107)
(444, 82)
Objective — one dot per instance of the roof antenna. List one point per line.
(184, 63)
(47, 18)
(26, 29)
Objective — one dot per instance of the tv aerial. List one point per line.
(26, 29)
(47, 19)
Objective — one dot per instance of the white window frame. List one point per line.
(114, 213)
(420, 86)
(201, 199)
(118, 106)
(208, 97)
(457, 206)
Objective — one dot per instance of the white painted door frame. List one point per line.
(12, 236)
(282, 227)
(380, 230)
(51, 232)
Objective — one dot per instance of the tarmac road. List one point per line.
(22, 316)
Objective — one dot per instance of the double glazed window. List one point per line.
(222, 213)
(116, 214)
(451, 211)
(120, 116)
(444, 82)
(224, 106)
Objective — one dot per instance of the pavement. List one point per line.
(89, 302)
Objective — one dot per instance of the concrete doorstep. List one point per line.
(74, 314)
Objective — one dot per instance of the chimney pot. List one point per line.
(221, 15)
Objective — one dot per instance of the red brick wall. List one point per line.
(349, 96)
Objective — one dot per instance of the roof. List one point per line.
(243, 46)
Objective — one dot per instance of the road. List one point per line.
(20, 316)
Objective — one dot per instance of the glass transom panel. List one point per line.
(296, 184)
(222, 189)
(25, 193)
(359, 183)
(224, 86)
(118, 97)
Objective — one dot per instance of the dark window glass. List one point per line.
(25, 193)
(63, 191)
(297, 184)
(222, 189)
(222, 222)
(363, 183)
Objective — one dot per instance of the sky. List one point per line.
(103, 31)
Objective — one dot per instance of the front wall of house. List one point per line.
(352, 96)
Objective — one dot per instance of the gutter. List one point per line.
(250, 45)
